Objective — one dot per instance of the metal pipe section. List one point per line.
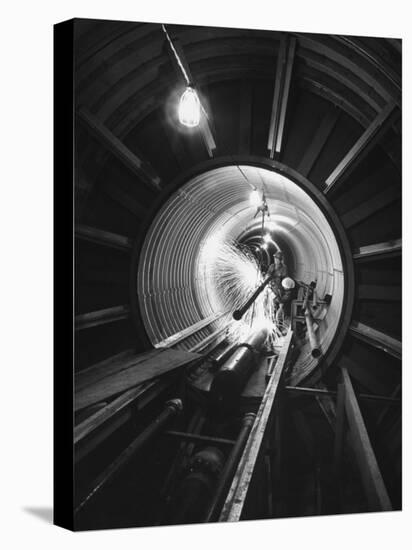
(238, 313)
(229, 468)
(230, 380)
(172, 408)
(196, 489)
(312, 337)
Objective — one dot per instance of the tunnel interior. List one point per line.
(185, 266)
(166, 222)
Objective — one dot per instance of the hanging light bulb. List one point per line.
(255, 199)
(267, 238)
(189, 108)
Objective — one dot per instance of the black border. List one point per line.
(63, 295)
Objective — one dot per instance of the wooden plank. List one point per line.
(377, 339)
(141, 169)
(366, 209)
(209, 339)
(101, 317)
(178, 337)
(371, 476)
(233, 507)
(383, 293)
(285, 96)
(109, 366)
(276, 95)
(118, 405)
(378, 250)
(318, 142)
(339, 429)
(134, 374)
(281, 95)
(363, 145)
(102, 237)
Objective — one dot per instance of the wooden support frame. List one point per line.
(378, 250)
(104, 238)
(283, 80)
(377, 339)
(371, 476)
(235, 501)
(141, 169)
(363, 145)
(101, 317)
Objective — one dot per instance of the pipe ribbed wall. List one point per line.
(175, 284)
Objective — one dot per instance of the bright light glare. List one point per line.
(255, 198)
(267, 238)
(189, 108)
(264, 246)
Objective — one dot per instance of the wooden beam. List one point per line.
(339, 430)
(383, 293)
(189, 331)
(377, 339)
(89, 433)
(101, 317)
(301, 391)
(104, 238)
(366, 209)
(132, 374)
(141, 169)
(283, 80)
(235, 501)
(371, 476)
(318, 141)
(363, 145)
(378, 250)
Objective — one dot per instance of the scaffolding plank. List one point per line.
(233, 506)
(140, 371)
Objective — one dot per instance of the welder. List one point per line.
(278, 270)
(284, 296)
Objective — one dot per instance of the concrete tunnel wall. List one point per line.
(174, 288)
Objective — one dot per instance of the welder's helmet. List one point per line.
(288, 283)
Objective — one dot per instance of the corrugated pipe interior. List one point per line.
(175, 283)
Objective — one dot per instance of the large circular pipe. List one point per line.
(177, 285)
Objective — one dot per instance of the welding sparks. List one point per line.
(231, 274)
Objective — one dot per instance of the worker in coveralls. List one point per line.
(278, 270)
(284, 297)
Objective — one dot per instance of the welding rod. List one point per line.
(238, 313)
